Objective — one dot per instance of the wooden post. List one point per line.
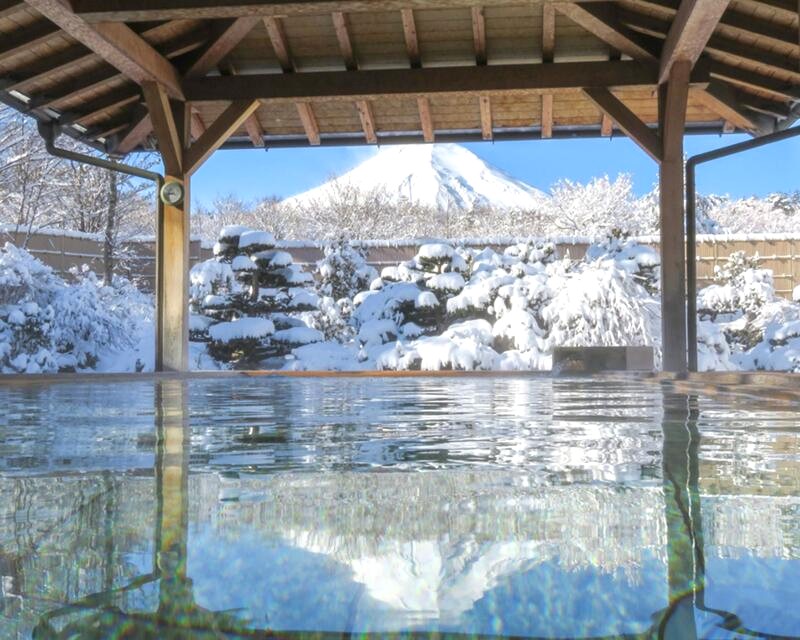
(172, 283)
(673, 96)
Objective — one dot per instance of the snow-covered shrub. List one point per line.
(50, 325)
(343, 270)
(412, 296)
(641, 262)
(257, 303)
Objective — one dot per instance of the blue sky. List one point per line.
(252, 174)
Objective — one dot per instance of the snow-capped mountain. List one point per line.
(446, 176)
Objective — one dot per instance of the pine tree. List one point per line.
(258, 302)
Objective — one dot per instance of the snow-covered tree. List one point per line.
(256, 301)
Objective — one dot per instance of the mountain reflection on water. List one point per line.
(529, 507)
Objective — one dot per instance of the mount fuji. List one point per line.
(444, 176)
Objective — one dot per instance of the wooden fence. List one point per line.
(65, 249)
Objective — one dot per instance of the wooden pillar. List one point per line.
(172, 282)
(673, 96)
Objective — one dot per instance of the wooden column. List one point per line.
(673, 95)
(170, 125)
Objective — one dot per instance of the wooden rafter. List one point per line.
(10, 7)
(116, 43)
(346, 85)
(197, 126)
(225, 38)
(367, 120)
(690, 32)
(252, 125)
(309, 120)
(410, 35)
(626, 120)
(135, 135)
(425, 118)
(345, 41)
(750, 79)
(723, 101)
(548, 55)
(606, 126)
(479, 34)
(280, 44)
(601, 19)
(487, 128)
(547, 115)
(118, 98)
(217, 133)
(168, 133)
(15, 43)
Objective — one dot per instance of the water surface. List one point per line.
(528, 506)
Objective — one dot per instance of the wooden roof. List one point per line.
(370, 71)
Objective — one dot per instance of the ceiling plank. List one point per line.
(349, 85)
(479, 35)
(410, 35)
(223, 41)
(116, 43)
(280, 43)
(196, 125)
(114, 100)
(626, 120)
(367, 121)
(426, 119)
(169, 139)
(689, 33)
(309, 120)
(345, 41)
(487, 128)
(547, 115)
(601, 19)
(218, 133)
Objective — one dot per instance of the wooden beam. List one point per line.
(602, 21)
(280, 44)
(673, 101)
(218, 133)
(367, 120)
(345, 41)
(547, 115)
(690, 32)
(136, 10)
(349, 85)
(410, 35)
(170, 141)
(224, 39)
(548, 33)
(197, 126)
(136, 134)
(486, 117)
(309, 120)
(116, 43)
(425, 118)
(626, 120)
(479, 35)
(723, 101)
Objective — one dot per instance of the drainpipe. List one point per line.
(691, 223)
(48, 133)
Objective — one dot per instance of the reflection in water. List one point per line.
(534, 508)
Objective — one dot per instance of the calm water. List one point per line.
(529, 507)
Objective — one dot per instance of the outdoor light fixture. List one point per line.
(172, 193)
